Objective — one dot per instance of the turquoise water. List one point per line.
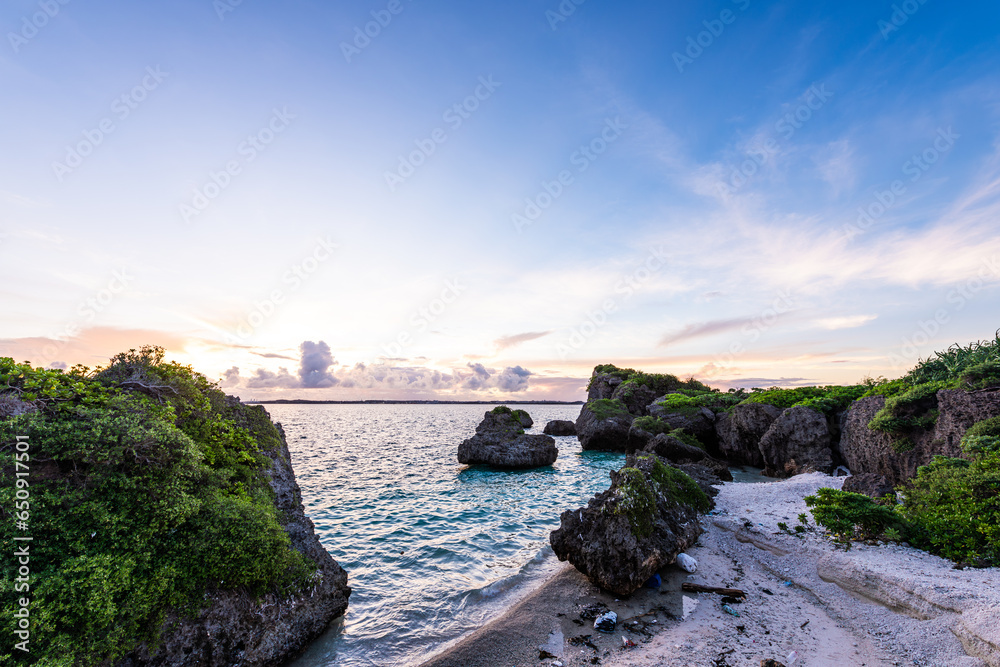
(433, 549)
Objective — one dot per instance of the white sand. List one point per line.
(871, 606)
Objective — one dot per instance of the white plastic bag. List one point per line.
(687, 563)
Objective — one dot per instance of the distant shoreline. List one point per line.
(285, 401)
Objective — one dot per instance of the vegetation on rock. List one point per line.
(637, 493)
(148, 490)
(606, 408)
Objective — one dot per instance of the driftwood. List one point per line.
(698, 588)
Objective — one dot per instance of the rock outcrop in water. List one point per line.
(238, 628)
(560, 427)
(501, 442)
(604, 425)
(625, 534)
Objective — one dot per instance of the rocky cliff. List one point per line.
(238, 629)
(867, 451)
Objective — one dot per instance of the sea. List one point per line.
(433, 549)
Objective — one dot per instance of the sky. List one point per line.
(411, 199)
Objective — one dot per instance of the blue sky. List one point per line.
(484, 201)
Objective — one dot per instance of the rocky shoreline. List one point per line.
(872, 606)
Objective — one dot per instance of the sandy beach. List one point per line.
(807, 602)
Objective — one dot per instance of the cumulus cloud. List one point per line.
(314, 368)
(318, 369)
(265, 379)
(231, 378)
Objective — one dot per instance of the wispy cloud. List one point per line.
(505, 342)
(846, 322)
(702, 329)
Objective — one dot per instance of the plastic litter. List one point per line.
(654, 581)
(628, 643)
(787, 583)
(729, 610)
(792, 657)
(606, 622)
(687, 563)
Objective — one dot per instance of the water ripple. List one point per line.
(433, 548)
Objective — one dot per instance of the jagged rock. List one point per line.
(706, 478)
(865, 450)
(602, 386)
(607, 432)
(741, 429)
(699, 423)
(500, 441)
(635, 397)
(670, 448)
(240, 628)
(625, 534)
(797, 441)
(524, 418)
(869, 484)
(560, 427)
(12, 406)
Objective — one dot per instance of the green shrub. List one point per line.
(953, 506)
(981, 376)
(518, 415)
(784, 398)
(849, 515)
(148, 490)
(983, 438)
(606, 408)
(887, 388)
(907, 412)
(835, 399)
(949, 365)
(680, 404)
